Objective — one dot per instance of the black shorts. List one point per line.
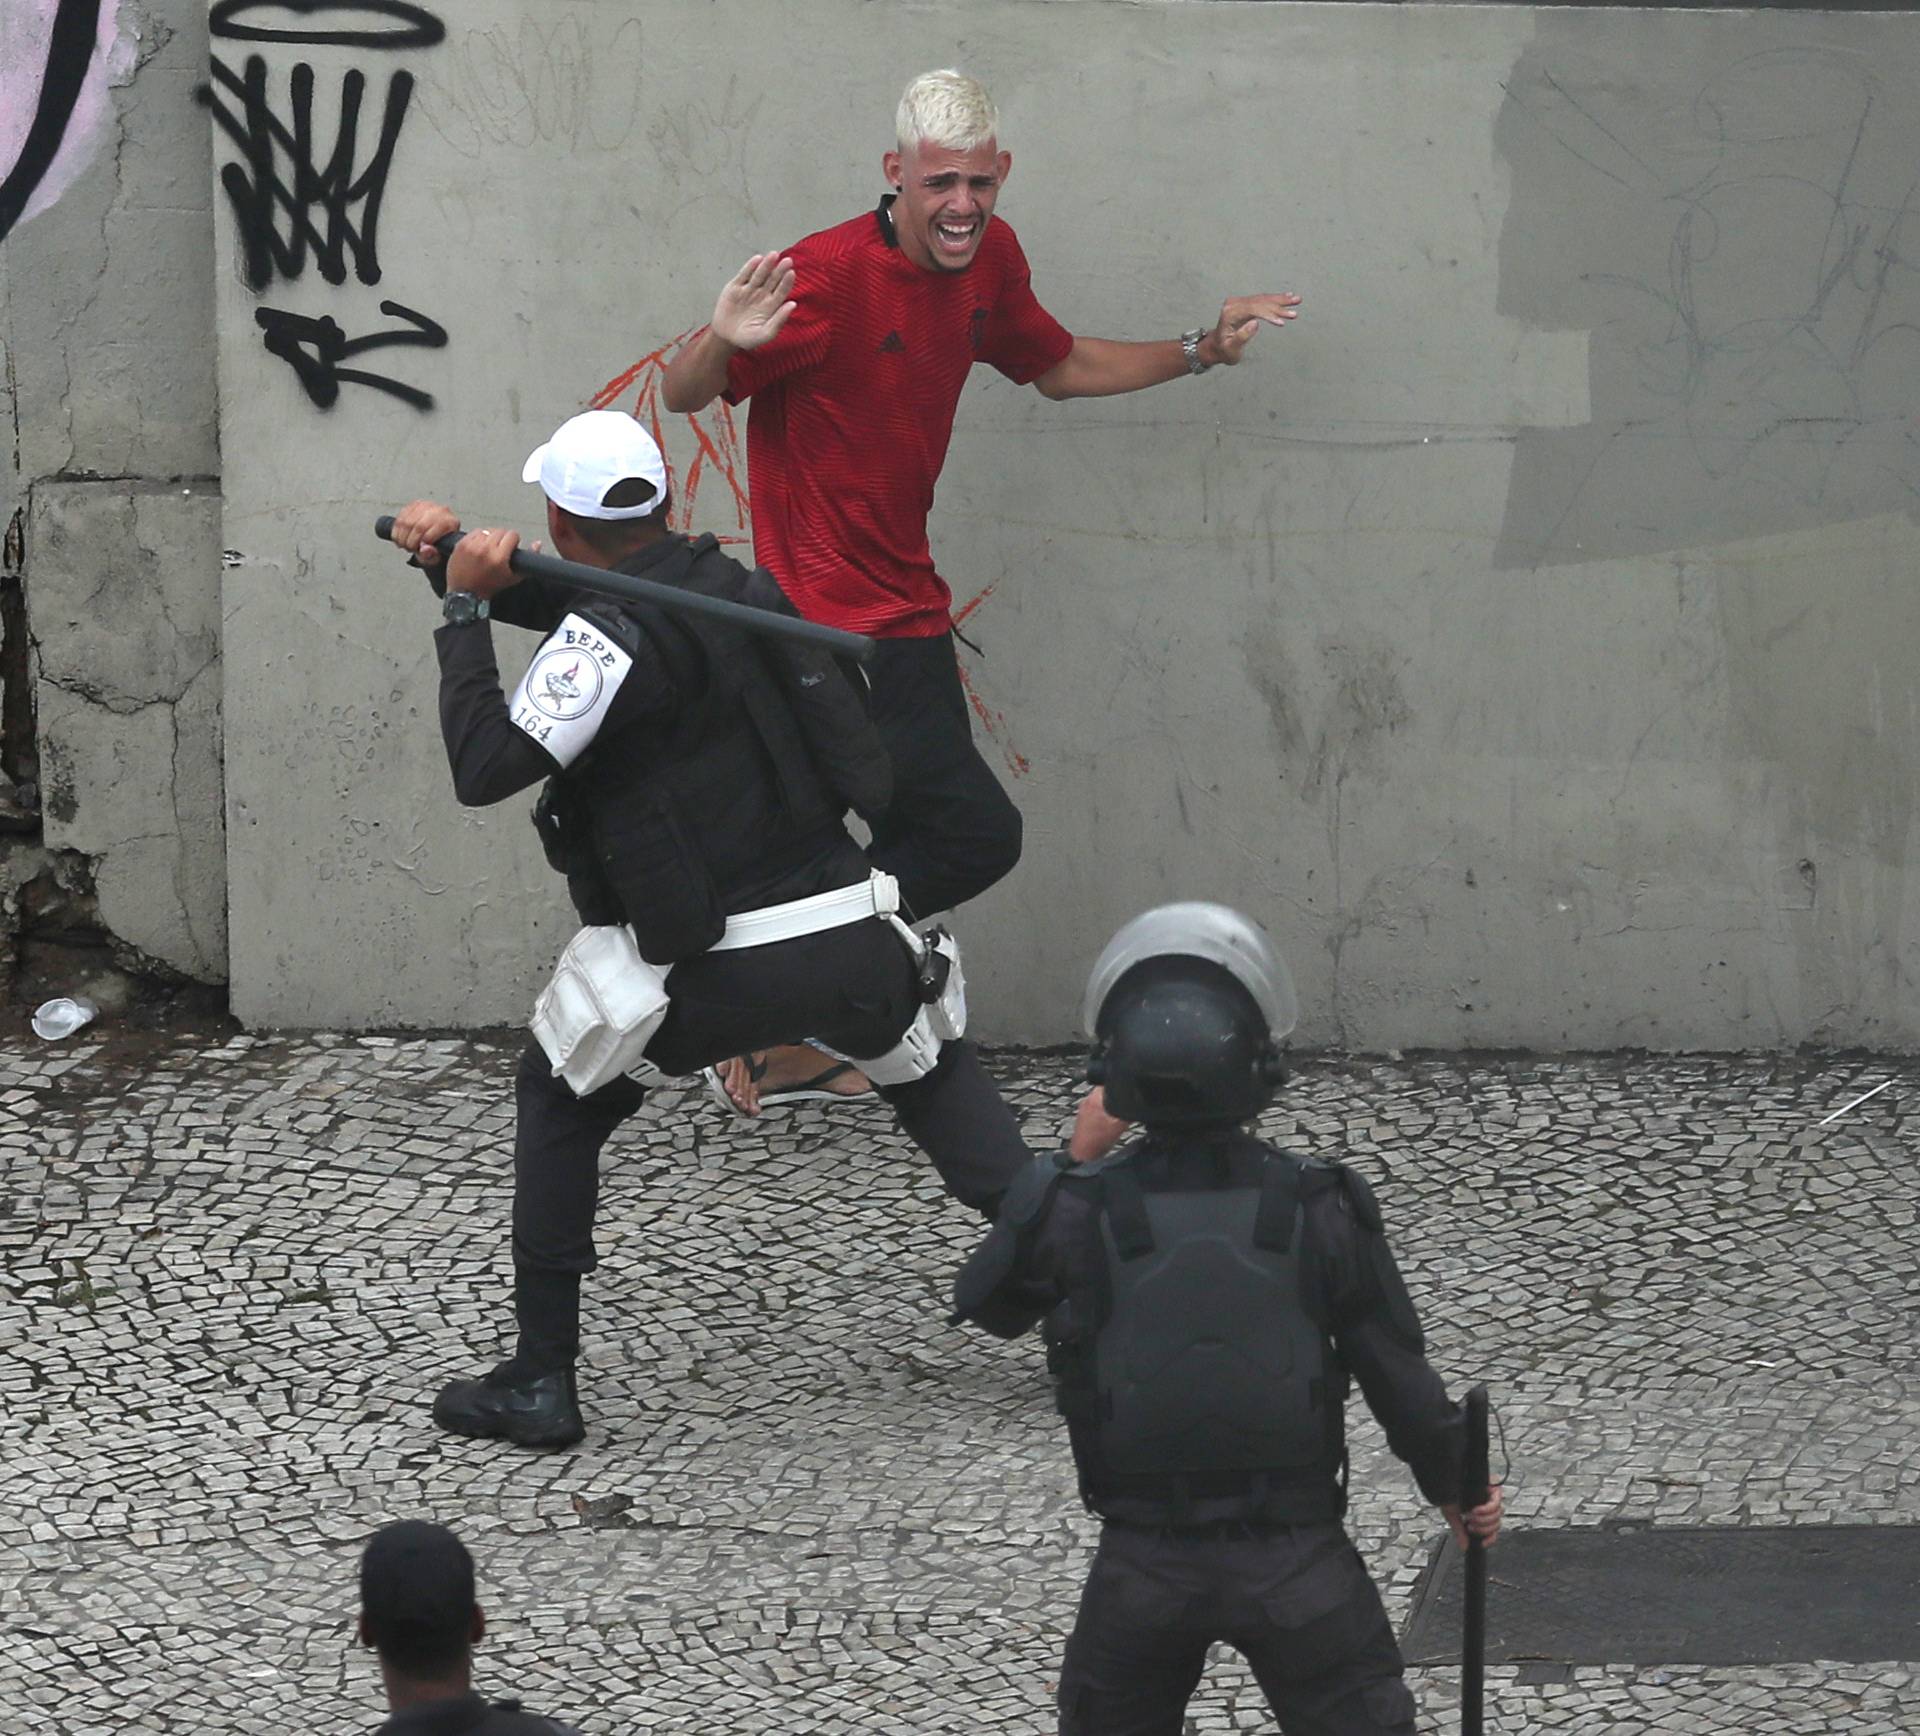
(951, 830)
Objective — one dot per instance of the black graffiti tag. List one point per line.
(297, 194)
(319, 202)
(69, 53)
(409, 26)
(315, 348)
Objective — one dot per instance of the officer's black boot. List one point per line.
(530, 1411)
(529, 1399)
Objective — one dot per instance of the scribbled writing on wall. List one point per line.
(575, 80)
(702, 142)
(53, 74)
(300, 193)
(1737, 233)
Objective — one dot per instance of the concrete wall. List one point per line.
(1520, 635)
(112, 848)
(1525, 635)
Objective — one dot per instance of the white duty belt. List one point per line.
(877, 895)
(604, 1002)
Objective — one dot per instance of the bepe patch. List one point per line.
(569, 687)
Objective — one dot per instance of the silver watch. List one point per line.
(1190, 348)
(463, 608)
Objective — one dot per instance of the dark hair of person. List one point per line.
(616, 536)
(416, 1592)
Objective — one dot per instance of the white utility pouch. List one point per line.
(600, 1008)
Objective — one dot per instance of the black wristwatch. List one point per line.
(463, 608)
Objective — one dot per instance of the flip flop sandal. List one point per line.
(812, 1090)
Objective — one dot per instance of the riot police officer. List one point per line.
(1206, 1297)
(697, 785)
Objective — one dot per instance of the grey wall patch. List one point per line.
(569, 687)
(1730, 221)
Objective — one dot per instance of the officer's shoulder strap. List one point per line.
(673, 567)
(1359, 1195)
(608, 617)
(627, 623)
(1125, 1206)
(1273, 1224)
(761, 590)
(1321, 1176)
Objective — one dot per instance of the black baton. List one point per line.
(1474, 1492)
(633, 590)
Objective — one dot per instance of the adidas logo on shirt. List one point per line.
(893, 344)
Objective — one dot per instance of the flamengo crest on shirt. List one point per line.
(569, 688)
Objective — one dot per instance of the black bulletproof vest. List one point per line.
(685, 819)
(1194, 1381)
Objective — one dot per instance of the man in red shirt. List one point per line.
(853, 348)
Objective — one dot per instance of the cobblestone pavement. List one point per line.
(237, 1268)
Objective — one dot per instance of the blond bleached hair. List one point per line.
(946, 108)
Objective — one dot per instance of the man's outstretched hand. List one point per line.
(1241, 317)
(755, 302)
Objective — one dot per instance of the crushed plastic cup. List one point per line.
(61, 1018)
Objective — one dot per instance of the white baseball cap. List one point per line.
(588, 455)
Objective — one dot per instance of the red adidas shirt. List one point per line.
(853, 408)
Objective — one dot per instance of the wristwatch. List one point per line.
(463, 608)
(1190, 348)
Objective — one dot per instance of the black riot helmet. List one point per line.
(1187, 1007)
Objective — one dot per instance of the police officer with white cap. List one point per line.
(697, 779)
(1206, 1296)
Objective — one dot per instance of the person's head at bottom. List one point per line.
(417, 1610)
(1187, 1006)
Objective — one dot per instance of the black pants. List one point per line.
(951, 830)
(852, 987)
(1295, 1601)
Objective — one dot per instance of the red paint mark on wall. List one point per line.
(718, 450)
(968, 607)
(994, 722)
(996, 726)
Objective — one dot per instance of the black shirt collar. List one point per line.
(883, 217)
(657, 553)
(449, 1717)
